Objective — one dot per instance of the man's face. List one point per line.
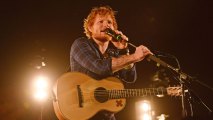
(100, 24)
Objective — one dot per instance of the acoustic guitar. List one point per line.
(79, 97)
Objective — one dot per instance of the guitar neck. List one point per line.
(126, 93)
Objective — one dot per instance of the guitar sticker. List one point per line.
(119, 103)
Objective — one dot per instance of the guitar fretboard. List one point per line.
(126, 93)
(114, 94)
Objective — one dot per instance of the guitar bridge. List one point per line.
(80, 98)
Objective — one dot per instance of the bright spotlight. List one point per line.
(145, 106)
(146, 117)
(40, 95)
(41, 82)
(162, 117)
(143, 110)
(43, 64)
(41, 88)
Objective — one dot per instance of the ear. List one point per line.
(90, 28)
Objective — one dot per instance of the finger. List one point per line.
(124, 37)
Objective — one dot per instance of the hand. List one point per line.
(141, 52)
(121, 44)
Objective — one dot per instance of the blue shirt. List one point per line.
(86, 58)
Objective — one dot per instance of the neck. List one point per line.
(102, 45)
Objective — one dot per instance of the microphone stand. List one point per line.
(182, 77)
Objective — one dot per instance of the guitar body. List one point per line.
(76, 100)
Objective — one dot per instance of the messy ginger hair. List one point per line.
(103, 10)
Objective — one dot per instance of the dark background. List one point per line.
(32, 31)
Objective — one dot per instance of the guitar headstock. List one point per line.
(174, 91)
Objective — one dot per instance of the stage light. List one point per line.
(143, 110)
(162, 117)
(40, 95)
(41, 88)
(146, 117)
(43, 64)
(145, 106)
(41, 82)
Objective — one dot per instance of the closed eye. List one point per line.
(101, 21)
(109, 22)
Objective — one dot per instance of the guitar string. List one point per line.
(116, 94)
(129, 91)
(104, 92)
(89, 97)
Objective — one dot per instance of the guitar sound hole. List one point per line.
(101, 94)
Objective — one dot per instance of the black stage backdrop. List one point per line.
(34, 31)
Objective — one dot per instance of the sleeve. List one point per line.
(83, 53)
(128, 75)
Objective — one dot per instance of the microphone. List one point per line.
(118, 37)
(112, 33)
